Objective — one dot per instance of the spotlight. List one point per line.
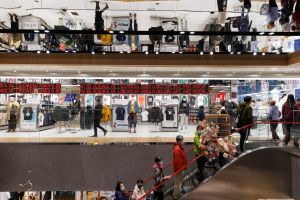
(157, 53)
(146, 52)
(254, 53)
(201, 53)
(211, 53)
(48, 51)
(93, 52)
(192, 33)
(263, 53)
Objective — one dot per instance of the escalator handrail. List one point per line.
(196, 158)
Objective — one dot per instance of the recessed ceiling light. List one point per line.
(74, 51)
(66, 52)
(238, 52)
(173, 52)
(272, 33)
(38, 52)
(180, 52)
(146, 52)
(79, 72)
(254, 53)
(263, 53)
(182, 32)
(121, 31)
(192, 33)
(103, 53)
(121, 52)
(111, 32)
(157, 53)
(211, 53)
(36, 31)
(201, 53)
(15, 71)
(93, 52)
(128, 52)
(261, 33)
(46, 31)
(231, 52)
(48, 51)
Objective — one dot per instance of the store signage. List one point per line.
(27, 88)
(143, 89)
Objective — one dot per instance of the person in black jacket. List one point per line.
(98, 117)
(99, 22)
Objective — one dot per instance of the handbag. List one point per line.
(264, 10)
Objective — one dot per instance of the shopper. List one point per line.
(179, 161)
(201, 114)
(97, 118)
(99, 22)
(14, 21)
(296, 17)
(245, 119)
(255, 113)
(273, 14)
(287, 7)
(158, 177)
(138, 190)
(274, 116)
(120, 192)
(202, 159)
(222, 7)
(245, 24)
(288, 109)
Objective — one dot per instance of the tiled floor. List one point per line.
(145, 133)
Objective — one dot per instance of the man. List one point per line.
(202, 160)
(245, 119)
(99, 22)
(179, 161)
(98, 117)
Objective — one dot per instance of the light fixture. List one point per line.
(231, 52)
(173, 52)
(157, 53)
(201, 53)
(277, 52)
(103, 53)
(36, 31)
(121, 52)
(121, 32)
(272, 33)
(111, 32)
(48, 51)
(211, 53)
(74, 51)
(15, 71)
(261, 33)
(93, 52)
(182, 32)
(180, 52)
(238, 52)
(38, 52)
(79, 72)
(146, 52)
(46, 31)
(66, 52)
(192, 33)
(254, 53)
(128, 51)
(263, 54)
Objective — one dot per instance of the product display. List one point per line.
(145, 115)
(120, 111)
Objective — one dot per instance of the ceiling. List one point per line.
(196, 11)
(207, 72)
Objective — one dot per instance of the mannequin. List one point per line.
(12, 113)
(184, 113)
(132, 110)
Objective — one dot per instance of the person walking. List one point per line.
(97, 118)
(138, 191)
(120, 191)
(245, 120)
(179, 161)
(201, 114)
(273, 14)
(99, 22)
(288, 109)
(274, 116)
(202, 159)
(158, 177)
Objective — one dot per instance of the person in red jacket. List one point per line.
(179, 161)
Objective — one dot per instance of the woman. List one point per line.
(138, 191)
(201, 114)
(273, 14)
(120, 191)
(158, 177)
(288, 109)
(274, 116)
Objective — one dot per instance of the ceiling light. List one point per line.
(111, 32)
(182, 32)
(261, 33)
(46, 31)
(201, 53)
(121, 52)
(36, 31)
(180, 52)
(48, 51)
(93, 52)
(144, 72)
(211, 53)
(272, 33)
(79, 72)
(238, 52)
(38, 52)
(231, 52)
(146, 52)
(277, 52)
(66, 52)
(74, 51)
(128, 51)
(15, 71)
(173, 52)
(121, 32)
(103, 53)
(157, 53)
(254, 53)
(192, 33)
(263, 53)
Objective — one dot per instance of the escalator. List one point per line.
(263, 173)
